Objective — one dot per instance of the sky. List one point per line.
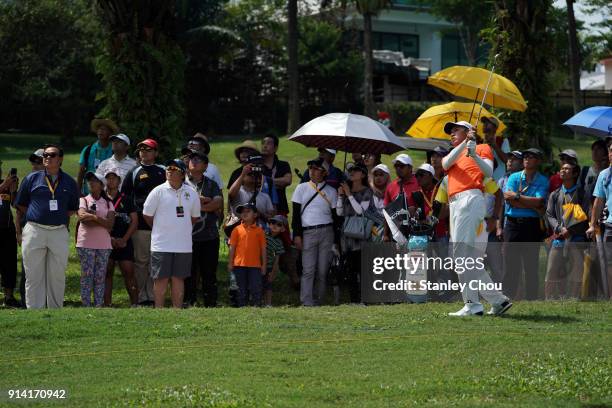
(580, 15)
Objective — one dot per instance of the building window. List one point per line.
(408, 44)
(452, 51)
(454, 54)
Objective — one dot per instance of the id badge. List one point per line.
(52, 205)
(180, 212)
(96, 163)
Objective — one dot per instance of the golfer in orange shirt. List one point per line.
(467, 165)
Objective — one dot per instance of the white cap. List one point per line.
(330, 151)
(403, 158)
(381, 167)
(121, 137)
(114, 171)
(449, 126)
(427, 167)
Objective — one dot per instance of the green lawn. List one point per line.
(541, 354)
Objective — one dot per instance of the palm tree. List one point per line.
(369, 9)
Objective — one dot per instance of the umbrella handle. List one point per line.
(485, 94)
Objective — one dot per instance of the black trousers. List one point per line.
(8, 257)
(353, 259)
(203, 271)
(521, 252)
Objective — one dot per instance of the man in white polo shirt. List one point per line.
(314, 208)
(171, 209)
(119, 161)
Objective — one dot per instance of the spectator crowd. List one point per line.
(163, 224)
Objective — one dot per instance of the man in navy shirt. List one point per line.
(47, 198)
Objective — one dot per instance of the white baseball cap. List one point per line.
(330, 151)
(403, 158)
(122, 137)
(450, 125)
(114, 171)
(428, 168)
(381, 167)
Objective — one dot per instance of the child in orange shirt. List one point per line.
(247, 255)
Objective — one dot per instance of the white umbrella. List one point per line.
(348, 132)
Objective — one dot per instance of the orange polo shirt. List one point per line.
(249, 242)
(465, 173)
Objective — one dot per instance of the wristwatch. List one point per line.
(517, 196)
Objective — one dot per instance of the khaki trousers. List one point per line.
(142, 265)
(45, 258)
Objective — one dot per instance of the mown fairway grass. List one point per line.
(541, 354)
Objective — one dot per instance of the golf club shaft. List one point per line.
(485, 94)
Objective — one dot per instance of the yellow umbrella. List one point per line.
(470, 83)
(431, 122)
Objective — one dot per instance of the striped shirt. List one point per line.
(121, 166)
(274, 247)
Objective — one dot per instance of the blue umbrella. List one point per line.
(595, 121)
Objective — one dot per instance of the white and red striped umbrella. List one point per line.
(349, 133)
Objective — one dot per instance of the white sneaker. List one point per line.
(499, 309)
(470, 309)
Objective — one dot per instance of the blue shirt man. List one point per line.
(603, 190)
(48, 199)
(538, 187)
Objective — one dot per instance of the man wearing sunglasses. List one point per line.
(48, 198)
(525, 196)
(205, 233)
(137, 185)
(170, 210)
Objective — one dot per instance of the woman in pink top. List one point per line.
(93, 243)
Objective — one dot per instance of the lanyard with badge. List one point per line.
(180, 212)
(52, 187)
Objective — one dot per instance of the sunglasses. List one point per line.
(196, 160)
(50, 155)
(146, 149)
(172, 168)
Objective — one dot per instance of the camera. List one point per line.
(256, 163)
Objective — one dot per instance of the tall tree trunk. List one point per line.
(525, 59)
(292, 67)
(574, 56)
(368, 75)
